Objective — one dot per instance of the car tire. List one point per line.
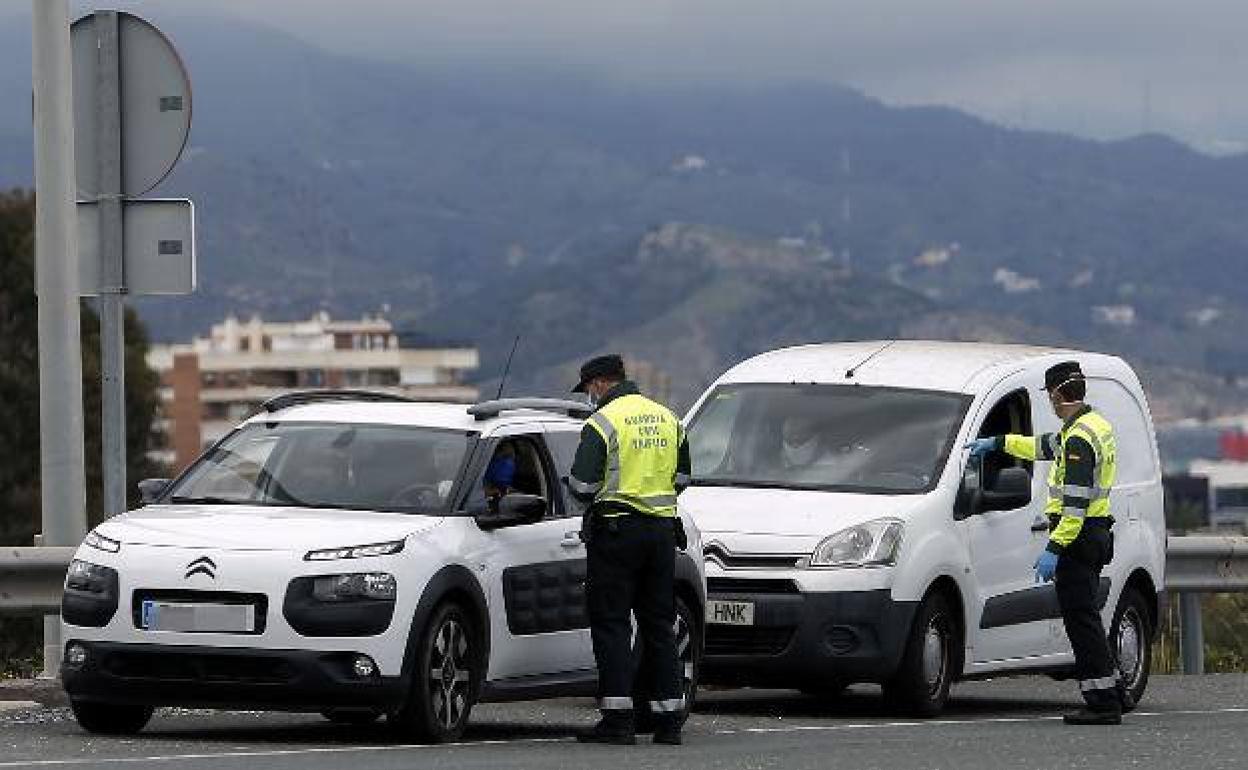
(356, 717)
(921, 685)
(689, 652)
(110, 718)
(445, 678)
(1130, 643)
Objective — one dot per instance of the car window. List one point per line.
(330, 465)
(563, 445)
(517, 464)
(1011, 414)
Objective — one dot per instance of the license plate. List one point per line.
(199, 617)
(730, 613)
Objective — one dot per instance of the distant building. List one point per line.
(212, 383)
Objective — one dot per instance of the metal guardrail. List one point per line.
(31, 580)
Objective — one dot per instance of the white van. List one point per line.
(849, 538)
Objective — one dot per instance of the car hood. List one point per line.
(750, 520)
(260, 528)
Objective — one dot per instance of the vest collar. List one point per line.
(624, 388)
(1085, 409)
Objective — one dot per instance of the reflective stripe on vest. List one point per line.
(643, 440)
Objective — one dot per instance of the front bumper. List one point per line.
(807, 639)
(217, 677)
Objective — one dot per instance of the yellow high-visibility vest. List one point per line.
(1097, 431)
(643, 441)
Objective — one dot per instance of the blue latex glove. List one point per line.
(1045, 566)
(982, 446)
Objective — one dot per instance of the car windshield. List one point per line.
(330, 465)
(840, 437)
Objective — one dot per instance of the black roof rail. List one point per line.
(489, 409)
(296, 398)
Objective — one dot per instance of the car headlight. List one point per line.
(355, 551)
(871, 544)
(101, 543)
(365, 585)
(85, 576)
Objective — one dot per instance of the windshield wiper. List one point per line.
(210, 500)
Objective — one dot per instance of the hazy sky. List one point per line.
(1101, 68)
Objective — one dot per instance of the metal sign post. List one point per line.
(112, 246)
(61, 468)
(132, 114)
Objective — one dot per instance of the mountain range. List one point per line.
(686, 225)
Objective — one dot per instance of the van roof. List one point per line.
(921, 364)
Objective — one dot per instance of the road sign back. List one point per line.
(155, 105)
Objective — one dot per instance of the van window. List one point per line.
(842, 437)
(1137, 460)
(1011, 414)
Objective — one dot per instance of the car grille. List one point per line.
(724, 585)
(717, 554)
(746, 640)
(198, 667)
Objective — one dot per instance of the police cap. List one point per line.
(1060, 374)
(602, 366)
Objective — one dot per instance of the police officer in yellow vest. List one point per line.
(630, 463)
(1081, 540)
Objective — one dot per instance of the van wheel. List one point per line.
(444, 678)
(921, 685)
(110, 718)
(1130, 643)
(689, 655)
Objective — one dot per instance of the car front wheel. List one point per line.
(444, 678)
(921, 685)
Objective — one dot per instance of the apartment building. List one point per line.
(211, 383)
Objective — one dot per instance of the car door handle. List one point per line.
(1040, 525)
(571, 540)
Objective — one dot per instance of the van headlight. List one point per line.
(85, 576)
(870, 544)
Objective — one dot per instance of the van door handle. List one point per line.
(1040, 525)
(571, 540)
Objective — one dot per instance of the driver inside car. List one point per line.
(500, 475)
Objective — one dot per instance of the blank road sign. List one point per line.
(155, 104)
(159, 247)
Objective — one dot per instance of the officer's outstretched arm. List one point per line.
(1042, 447)
(1076, 493)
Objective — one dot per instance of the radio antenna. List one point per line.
(507, 369)
(849, 373)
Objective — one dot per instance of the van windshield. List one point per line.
(836, 437)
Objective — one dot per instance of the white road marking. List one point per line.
(521, 741)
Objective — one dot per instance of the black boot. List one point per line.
(1124, 695)
(1091, 716)
(667, 729)
(615, 727)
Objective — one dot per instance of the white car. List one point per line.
(336, 553)
(848, 537)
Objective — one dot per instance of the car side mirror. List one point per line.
(151, 489)
(511, 510)
(1009, 490)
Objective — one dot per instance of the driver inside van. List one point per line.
(500, 474)
(800, 443)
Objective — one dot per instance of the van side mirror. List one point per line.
(970, 492)
(511, 510)
(151, 489)
(1009, 490)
